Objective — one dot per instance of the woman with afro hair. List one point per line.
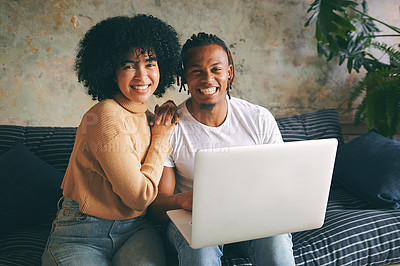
(119, 151)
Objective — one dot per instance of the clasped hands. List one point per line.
(164, 115)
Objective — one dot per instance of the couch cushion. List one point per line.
(354, 233)
(29, 188)
(369, 166)
(51, 144)
(321, 124)
(24, 246)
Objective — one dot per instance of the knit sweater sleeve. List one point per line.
(135, 183)
(119, 159)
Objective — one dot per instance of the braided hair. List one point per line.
(202, 39)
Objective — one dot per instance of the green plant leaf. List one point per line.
(344, 31)
(393, 54)
(380, 107)
(332, 21)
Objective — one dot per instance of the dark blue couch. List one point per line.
(354, 232)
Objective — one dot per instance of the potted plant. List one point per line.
(344, 31)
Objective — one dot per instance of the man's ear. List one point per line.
(230, 71)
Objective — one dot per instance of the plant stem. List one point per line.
(386, 35)
(377, 20)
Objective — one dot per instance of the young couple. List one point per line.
(116, 169)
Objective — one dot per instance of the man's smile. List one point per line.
(208, 91)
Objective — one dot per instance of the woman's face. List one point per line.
(138, 76)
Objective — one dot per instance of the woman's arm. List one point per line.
(133, 178)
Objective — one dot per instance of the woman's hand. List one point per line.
(165, 114)
(165, 119)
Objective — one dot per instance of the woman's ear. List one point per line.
(115, 76)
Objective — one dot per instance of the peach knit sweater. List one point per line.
(116, 164)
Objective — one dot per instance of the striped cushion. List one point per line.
(51, 144)
(23, 247)
(321, 124)
(354, 233)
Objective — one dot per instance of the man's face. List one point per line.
(206, 73)
(138, 76)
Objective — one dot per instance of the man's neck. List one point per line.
(212, 116)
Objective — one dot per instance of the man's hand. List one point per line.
(185, 200)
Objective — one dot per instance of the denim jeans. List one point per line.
(275, 250)
(77, 238)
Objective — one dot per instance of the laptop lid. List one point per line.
(249, 192)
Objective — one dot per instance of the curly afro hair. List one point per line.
(105, 46)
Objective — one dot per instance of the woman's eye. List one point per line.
(129, 67)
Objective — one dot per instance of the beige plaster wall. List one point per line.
(275, 56)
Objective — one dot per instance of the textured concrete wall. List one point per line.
(275, 56)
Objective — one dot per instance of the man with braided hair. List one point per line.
(211, 118)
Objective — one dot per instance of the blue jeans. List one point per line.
(77, 238)
(275, 250)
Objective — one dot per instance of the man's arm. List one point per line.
(166, 199)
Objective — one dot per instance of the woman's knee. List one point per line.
(144, 247)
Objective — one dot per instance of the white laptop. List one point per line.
(250, 192)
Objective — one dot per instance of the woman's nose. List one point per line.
(140, 73)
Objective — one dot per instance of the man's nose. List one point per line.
(208, 76)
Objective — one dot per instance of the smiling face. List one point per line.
(206, 74)
(138, 76)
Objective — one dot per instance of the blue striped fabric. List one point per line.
(321, 124)
(23, 247)
(354, 233)
(51, 144)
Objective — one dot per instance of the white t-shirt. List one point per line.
(245, 124)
